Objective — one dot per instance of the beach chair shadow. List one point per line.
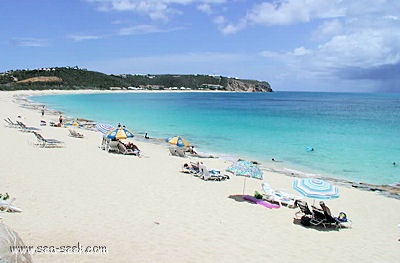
(319, 227)
(238, 198)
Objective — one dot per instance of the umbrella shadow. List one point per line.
(240, 198)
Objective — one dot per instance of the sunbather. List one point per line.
(132, 146)
(321, 212)
(191, 168)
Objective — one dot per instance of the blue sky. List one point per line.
(301, 45)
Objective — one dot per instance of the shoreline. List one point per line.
(386, 190)
(146, 210)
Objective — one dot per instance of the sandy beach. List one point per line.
(146, 210)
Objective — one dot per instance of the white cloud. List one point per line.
(351, 39)
(78, 38)
(289, 12)
(29, 42)
(145, 29)
(327, 29)
(301, 51)
(219, 20)
(156, 9)
(205, 8)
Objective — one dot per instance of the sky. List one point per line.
(295, 45)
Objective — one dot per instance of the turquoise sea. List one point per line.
(355, 137)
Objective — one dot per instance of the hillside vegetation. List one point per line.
(74, 78)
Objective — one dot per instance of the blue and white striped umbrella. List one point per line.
(104, 128)
(316, 188)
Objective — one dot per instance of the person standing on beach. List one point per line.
(60, 119)
(43, 111)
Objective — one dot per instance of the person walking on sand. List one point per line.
(43, 111)
(60, 119)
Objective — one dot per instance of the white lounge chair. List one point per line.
(9, 123)
(112, 146)
(23, 127)
(177, 152)
(8, 207)
(282, 198)
(43, 142)
(206, 175)
(75, 134)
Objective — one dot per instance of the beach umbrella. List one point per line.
(315, 188)
(104, 128)
(119, 133)
(178, 141)
(246, 169)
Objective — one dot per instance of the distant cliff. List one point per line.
(248, 85)
(76, 78)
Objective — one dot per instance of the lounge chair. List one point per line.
(112, 146)
(124, 150)
(308, 216)
(47, 143)
(207, 175)
(25, 128)
(8, 207)
(177, 152)
(282, 198)
(304, 209)
(75, 134)
(329, 220)
(191, 168)
(12, 123)
(9, 123)
(181, 152)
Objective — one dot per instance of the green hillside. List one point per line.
(74, 78)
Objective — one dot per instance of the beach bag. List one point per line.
(305, 221)
(342, 217)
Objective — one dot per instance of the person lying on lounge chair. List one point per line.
(320, 212)
(190, 149)
(191, 168)
(133, 147)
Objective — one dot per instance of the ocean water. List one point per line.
(355, 137)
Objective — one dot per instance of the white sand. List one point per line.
(145, 210)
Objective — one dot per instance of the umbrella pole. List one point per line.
(244, 184)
